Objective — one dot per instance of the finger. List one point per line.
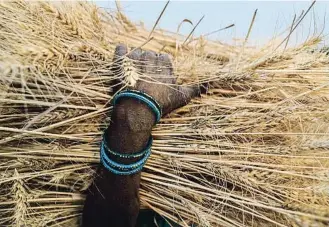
(204, 87)
(164, 69)
(116, 69)
(132, 66)
(164, 64)
(135, 53)
(120, 51)
(188, 93)
(148, 62)
(182, 96)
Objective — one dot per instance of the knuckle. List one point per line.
(135, 53)
(149, 55)
(165, 58)
(120, 50)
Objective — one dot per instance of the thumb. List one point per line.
(182, 96)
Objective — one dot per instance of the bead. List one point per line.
(133, 155)
(124, 166)
(124, 169)
(145, 98)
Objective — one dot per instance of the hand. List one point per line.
(111, 198)
(152, 73)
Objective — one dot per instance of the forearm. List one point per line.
(113, 200)
(130, 127)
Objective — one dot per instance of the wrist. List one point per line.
(134, 115)
(131, 125)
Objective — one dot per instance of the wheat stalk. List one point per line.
(20, 195)
(253, 151)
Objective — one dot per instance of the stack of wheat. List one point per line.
(254, 151)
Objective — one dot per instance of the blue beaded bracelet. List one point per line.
(124, 166)
(132, 155)
(129, 169)
(145, 98)
(116, 167)
(118, 172)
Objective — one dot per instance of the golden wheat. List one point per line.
(252, 152)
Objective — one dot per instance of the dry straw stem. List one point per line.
(253, 151)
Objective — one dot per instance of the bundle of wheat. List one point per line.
(252, 152)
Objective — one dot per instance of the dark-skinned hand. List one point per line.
(113, 200)
(155, 77)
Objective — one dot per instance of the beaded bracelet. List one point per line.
(118, 172)
(123, 169)
(124, 166)
(129, 169)
(121, 155)
(143, 97)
